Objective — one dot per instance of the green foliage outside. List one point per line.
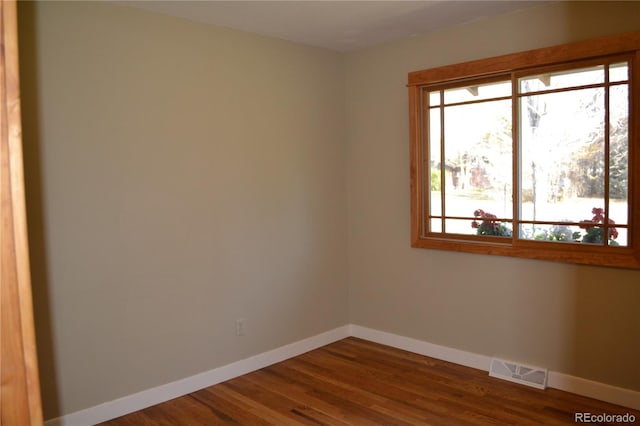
(435, 180)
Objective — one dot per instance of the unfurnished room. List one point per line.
(320, 212)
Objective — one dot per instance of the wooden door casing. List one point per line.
(19, 387)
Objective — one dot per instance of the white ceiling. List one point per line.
(336, 25)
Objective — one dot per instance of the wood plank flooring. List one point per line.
(356, 382)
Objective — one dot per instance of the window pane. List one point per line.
(621, 239)
(435, 174)
(589, 234)
(619, 149)
(619, 72)
(486, 227)
(556, 233)
(561, 155)
(435, 200)
(590, 231)
(435, 225)
(562, 79)
(581, 234)
(434, 98)
(618, 211)
(478, 159)
(476, 93)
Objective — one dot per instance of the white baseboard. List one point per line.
(603, 392)
(612, 394)
(138, 401)
(468, 359)
(147, 398)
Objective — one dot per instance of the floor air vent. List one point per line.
(523, 374)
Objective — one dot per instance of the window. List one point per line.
(534, 154)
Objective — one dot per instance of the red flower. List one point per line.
(598, 214)
(598, 218)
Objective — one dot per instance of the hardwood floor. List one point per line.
(356, 382)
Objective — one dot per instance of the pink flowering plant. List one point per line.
(486, 223)
(595, 233)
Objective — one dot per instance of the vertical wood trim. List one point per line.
(634, 156)
(20, 388)
(415, 158)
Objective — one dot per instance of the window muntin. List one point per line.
(585, 118)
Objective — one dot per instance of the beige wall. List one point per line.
(579, 320)
(180, 176)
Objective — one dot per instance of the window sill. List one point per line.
(622, 257)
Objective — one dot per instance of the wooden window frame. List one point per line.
(624, 257)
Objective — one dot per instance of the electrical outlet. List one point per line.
(240, 326)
